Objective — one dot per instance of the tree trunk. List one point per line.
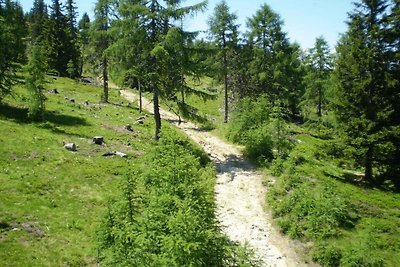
(319, 101)
(368, 164)
(105, 81)
(226, 82)
(157, 117)
(140, 96)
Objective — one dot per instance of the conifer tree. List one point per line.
(74, 55)
(101, 39)
(84, 37)
(319, 62)
(12, 45)
(275, 68)
(155, 54)
(35, 82)
(224, 31)
(38, 20)
(368, 89)
(57, 41)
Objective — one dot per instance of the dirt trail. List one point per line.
(240, 196)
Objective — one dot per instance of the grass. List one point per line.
(52, 199)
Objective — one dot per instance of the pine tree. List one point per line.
(57, 40)
(83, 36)
(268, 41)
(156, 55)
(224, 30)
(369, 88)
(35, 82)
(101, 39)
(74, 54)
(319, 63)
(12, 45)
(38, 19)
(275, 68)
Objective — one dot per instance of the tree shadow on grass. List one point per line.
(20, 115)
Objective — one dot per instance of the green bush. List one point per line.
(166, 214)
(261, 129)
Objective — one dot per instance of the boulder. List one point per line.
(128, 128)
(70, 146)
(98, 140)
(115, 153)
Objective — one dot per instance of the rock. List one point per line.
(87, 80)
(72, 100)
(70, 146)
(86, 103)
(141, 118)
(129, 104)
(128, 128)
(98, 140)
(115, 153)
(120, 154)
(53, 91)
(139, 122)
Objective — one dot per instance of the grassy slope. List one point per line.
(52, 199)
(373, 238)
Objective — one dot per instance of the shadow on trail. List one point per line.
(232, 164)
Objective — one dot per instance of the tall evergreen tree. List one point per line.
(12, 44)
(38, 19)
(74, 54)
(101, 39)
(84, 37)
(275, 68)
(35, 82)
(319, 63)
(368, 88)
(154, 38)
(57, 40)
(224, 31)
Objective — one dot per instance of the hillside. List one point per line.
(56, 204)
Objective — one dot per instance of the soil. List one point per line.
(240, 197)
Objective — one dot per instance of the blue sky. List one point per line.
(304, 20)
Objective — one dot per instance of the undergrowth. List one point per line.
(319, 197)
(165, 215)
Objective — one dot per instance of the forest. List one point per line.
(323, 122)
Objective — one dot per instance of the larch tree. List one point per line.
(224, 30)
(37, 20)
(35, 82)
(74, 59)
(101, 39)
(151, 32)
(319, 65)
(275, 69)
(12, 46)
(368, 88)
(83, 36)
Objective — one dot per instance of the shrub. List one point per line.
(165, 215)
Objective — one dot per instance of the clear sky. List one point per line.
(304, 20)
